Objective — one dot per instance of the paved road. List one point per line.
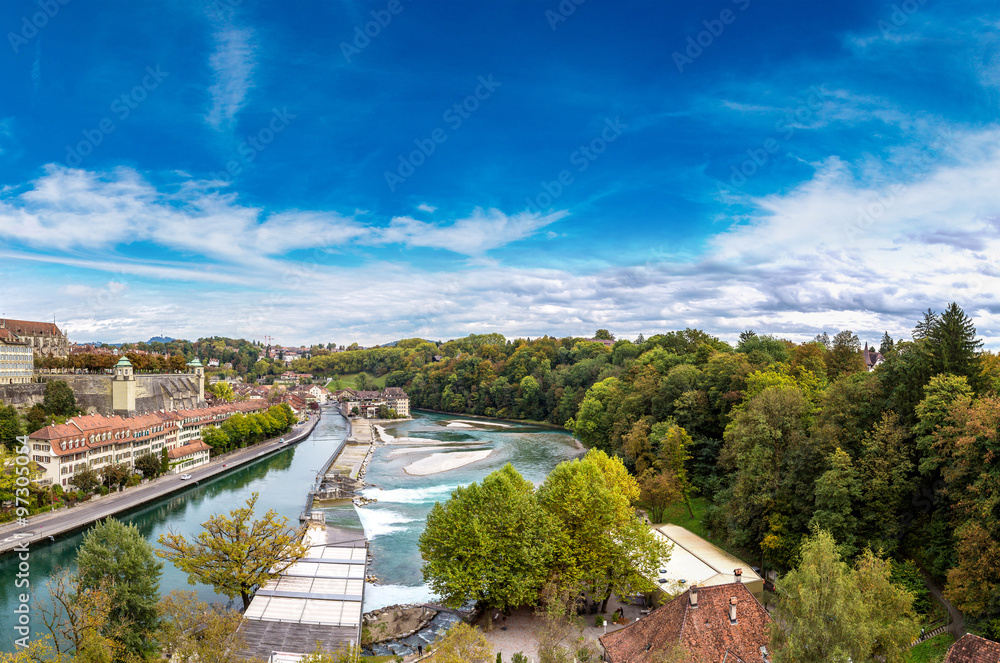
(46, 526)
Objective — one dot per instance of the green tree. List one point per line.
(222, 391)
(59, 399)
(35, 418)
(363, 381)
(164, 461)
(463, 644)
(191, 630)
(114, 474)
(236, 554)
(216, 438)
(116, 557)
(490, 543)
(885, 470)
(831, 613)
(149, 463)
(604, 335)
(10, 427)
(837, 490)
(86, 478)
(953, 346)
(80, 625)
(887, 344)
(596, 416)
(924, 327)
(772, 470)
(845, 355)
(941, 394)
(608, 548)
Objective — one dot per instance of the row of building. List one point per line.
(96, 441)
(369, 402)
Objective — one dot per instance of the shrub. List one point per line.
(598, 619)
(519, 657)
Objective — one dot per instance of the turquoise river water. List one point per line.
(392, 524)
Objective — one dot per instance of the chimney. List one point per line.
(693, 596)
(739, 575)
(732, 611)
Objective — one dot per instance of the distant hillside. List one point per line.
(161, 339)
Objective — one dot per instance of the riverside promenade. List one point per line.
(49, 525)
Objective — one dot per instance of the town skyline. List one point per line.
(370, 172)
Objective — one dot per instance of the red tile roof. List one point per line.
(973, 649)
(705, 632)
(29, 327)
(188, 449)
(94, 431)
(9, 336)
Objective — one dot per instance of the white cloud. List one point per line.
(860, 246)
(482, 231)
(233, 63)
(424, 207)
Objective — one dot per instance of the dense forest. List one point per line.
(782, 438)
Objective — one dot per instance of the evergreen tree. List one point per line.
(953, 346)
(887, 344)
(924, 327)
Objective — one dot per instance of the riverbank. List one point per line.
(47, 526)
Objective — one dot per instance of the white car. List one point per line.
(185, 477)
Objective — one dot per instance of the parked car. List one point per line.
(185, 477)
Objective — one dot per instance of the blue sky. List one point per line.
(367, 171)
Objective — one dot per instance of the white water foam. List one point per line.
(377, 522)
(410, 495)
(381, 596)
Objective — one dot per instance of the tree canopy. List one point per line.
(491, 543)
(236, 554)
(117, 559)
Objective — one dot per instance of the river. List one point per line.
(393, 524)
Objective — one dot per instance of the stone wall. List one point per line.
(93, 392)
(22, 395)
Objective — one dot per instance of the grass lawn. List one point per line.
(932, 651)
(347, 382)
(679, 515)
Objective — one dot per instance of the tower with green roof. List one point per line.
(195, 366)
(123, 388)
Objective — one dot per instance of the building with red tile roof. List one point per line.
(710, 624)
(368, 402)
(973, 649)
(96, 440)
(44, 338)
